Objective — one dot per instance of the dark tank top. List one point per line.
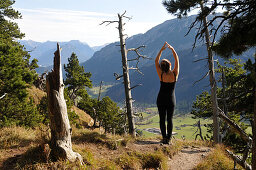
(166, 95)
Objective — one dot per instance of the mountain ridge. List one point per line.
(107, 61)
(44, 51)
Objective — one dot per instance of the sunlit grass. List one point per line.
(183, 125)
(217, 159)
(94, 91)
(13, 137)
(127, 156)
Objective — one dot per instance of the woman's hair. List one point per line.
(165, 66)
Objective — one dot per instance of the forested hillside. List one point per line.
(105, 62)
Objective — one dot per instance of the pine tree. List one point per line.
(109, 115)
(16, 73)
(76, 78)
(238, 101)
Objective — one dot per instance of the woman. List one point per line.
(166, 100)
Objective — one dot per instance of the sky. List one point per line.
(65, 20)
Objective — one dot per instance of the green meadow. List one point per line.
(94, 91)
(184, 125)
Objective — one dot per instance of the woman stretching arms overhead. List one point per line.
(166, 100)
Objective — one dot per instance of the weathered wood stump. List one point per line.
(61, 146)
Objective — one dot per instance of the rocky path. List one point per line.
(188, 158)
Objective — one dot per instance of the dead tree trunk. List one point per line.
(225, 108)
(127, 86)
(235, 126)
(100, 91)
(126, 68)
(240, 160)
(212, 82)
(254, 123)
(59, 123)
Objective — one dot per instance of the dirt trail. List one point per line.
(188, 158)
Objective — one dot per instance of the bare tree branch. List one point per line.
(117, 76)
(139, 55)
(135, 86)
(108, 22)
(123, 16)
(137, 69)
(200, 59)
(201, 78)
(136, 50)
(3, 95)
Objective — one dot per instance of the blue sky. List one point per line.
(64, 20)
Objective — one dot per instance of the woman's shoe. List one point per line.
(165, 141)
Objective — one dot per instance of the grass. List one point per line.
(99, 151)
(84, 119)
(178, 126)
(94, 91)
(153, 160)
(217, 159)
(36, 94)
(14, 137)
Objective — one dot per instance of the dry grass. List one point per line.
(99, 151)
(84, 119)
(217, 160)
(36, 94)
(14, 137)
(153, 160)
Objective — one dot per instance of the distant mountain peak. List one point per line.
(45, 50)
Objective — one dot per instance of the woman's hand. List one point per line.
(164, 46)
(169, 46)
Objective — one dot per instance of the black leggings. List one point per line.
(163, 111)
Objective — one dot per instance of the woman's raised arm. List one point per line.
(176, 57)
(158, 69)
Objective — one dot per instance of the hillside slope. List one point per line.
(190, 72)
(23, 148)
(105, 62)
(84, 119)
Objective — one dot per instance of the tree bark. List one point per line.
(212, 82)
(100, 91)
(239, 160)
(59, 123)
(128, 95)
(254, 123)
(225, 108)
(235, 127)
